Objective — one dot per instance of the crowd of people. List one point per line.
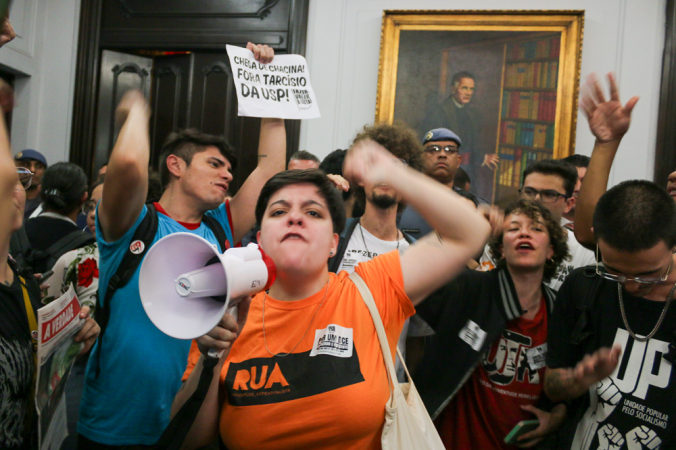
(545, 324)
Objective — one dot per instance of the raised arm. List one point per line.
(271, 160)
(127, 174)
(462, 230)
(608, 121)
(569, 383)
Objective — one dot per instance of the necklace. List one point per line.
(659, 321)
(361, 230)
(265, 339)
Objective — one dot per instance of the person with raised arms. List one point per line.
(282, 369)
(135, 370)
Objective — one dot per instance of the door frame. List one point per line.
(83, 130)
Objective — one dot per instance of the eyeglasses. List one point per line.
(25, 177)
(88, 207)
(622, 279)
(547, 195)
(437, 148)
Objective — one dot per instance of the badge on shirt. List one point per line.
(333, 340)
(473, 335)
(536, 356)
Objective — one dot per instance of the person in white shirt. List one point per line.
(552, 182)
(376, 232)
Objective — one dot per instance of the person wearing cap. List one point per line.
(34, 161)
(441, 159)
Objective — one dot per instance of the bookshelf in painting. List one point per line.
(526, 129)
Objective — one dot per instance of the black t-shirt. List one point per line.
(17, 367)
(637, 403)
(43, 232)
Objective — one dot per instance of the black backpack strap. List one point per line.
(71, 241)
(145, 233)
(411, 240)
(218, 231)
(335, 260)
(173, 436)
(20, 247)
(582, 330)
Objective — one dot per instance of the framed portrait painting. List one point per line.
(506, 82)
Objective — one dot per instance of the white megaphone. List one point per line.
(186, 284)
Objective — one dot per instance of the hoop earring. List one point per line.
(549, 263)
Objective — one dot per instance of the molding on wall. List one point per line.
(130, 8)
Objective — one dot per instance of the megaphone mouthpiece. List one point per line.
(184, 266)
(208, 281)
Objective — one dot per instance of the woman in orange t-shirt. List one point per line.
(307, 370)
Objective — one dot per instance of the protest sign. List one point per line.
(58, 323)
(279, 89)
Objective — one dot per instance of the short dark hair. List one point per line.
(566, 171)
(635, 215)
(468, 195)
(461, 178)
(186, 143)
(460, 75)
(400, 140)
(577, 160)
(326, 189)
(63, 186)
(304, 156)
(333, 165)
(154, 187)
(557, 236)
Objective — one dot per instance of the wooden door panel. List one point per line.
(170, 99)
(119, 73)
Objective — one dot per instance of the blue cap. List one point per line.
(441, 134)
(31, 154)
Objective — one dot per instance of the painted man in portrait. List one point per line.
(458, 114)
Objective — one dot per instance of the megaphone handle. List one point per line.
(213, 353)
(232, 310)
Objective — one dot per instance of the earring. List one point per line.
(549, 263)
(331, 253)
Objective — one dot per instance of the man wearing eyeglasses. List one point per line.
(441, 160)
(612, 342)
(552, 183)
(34, 162)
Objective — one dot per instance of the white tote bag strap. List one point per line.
(380, 329)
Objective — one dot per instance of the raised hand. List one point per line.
(597, 366)
(369, 161)
(491, 160)
(262, 53)
(132, 99)
(495, 216)
(608, 119)
(341, 183)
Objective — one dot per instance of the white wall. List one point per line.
(43, 56)
(624, 36)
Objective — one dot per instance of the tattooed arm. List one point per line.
(569, 383)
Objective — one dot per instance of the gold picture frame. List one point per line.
(528, 72)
